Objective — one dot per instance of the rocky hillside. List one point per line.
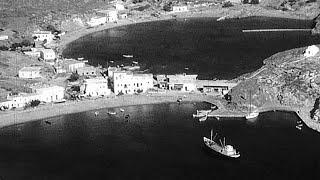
(287, 78)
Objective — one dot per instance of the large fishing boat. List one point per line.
(226, 150)
(127, 55)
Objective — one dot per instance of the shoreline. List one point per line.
(238, 11)
(14, 117)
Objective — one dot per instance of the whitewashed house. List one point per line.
(48, 55)
(119, 6)
(4, 37)
(126, 82)
(181, 8)
(215, 87)
(87, 71)
(95, 21)
(111, 71)
(71, 65)
(110, 14)
(30, 72)
(43, 35)
(182, 82)
(49, 93)
(33, 53)
(95, 87)
(22, 99)
(311, 51)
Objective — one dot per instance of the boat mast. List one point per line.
(211, 134)
(250, 102)
(224, 142)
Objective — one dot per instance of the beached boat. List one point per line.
(252, 116)
(134, 62)
(221, 18)
(96, 113)
(128, 55)
(226, 150)
(60, 101)
(122, 110)
(204, 118)
(201, 113)
(112, 113)
(299, 127)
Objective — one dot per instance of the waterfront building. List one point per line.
(6, 104)
(33, 53)
(49, 93)
(48, 55)
(119, 6)
(4, 37)
(216, 87)
(87, 71)
(95, 21)
(311, 51)
(111, 14)
(71, 65)
(123, 15)
(95, 87)
(179, 8)
(111, 70)
(182, 82)
(162, 81)
(43, 35)
(127, 82)
(30, 72)
(20, 100)
(235, 1)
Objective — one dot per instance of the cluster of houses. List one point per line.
(112, 14)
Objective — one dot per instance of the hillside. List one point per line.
(287, 78)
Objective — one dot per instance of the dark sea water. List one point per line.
(160, 141)
(209, 48)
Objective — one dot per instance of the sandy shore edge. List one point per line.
(13, 117)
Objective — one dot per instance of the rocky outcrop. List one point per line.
(316, 28)
(286, 79)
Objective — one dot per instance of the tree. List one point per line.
(73, 77)
(34, 103)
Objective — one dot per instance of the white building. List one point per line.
(30, 72)
(4, 37)
(216, 87)
(177, 9)
(119, 7)
(43, 35)
(21, 100)
(47, 54)
(96, 87)
(50, 93)
(182, 82)
(110, 14)
(71, 65)
(128, 83)
(95, 21)
(311, 51)
(33, 53)
(123, 15)
(87, 71)
(111, 70)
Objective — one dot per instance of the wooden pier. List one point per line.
(273, 30)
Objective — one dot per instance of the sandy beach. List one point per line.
(12, 117)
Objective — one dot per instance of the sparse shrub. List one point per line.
(227, 4)
(254, 2)
(73, 77)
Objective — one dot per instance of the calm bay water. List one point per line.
(163, 141)
(209, 48)
(160, 141)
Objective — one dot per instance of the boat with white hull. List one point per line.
(226, 150)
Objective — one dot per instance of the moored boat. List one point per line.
(203, 118)
(112, 113)
(128, 55)
(252, 115)
(226, 150)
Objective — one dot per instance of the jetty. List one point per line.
(272, 30)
